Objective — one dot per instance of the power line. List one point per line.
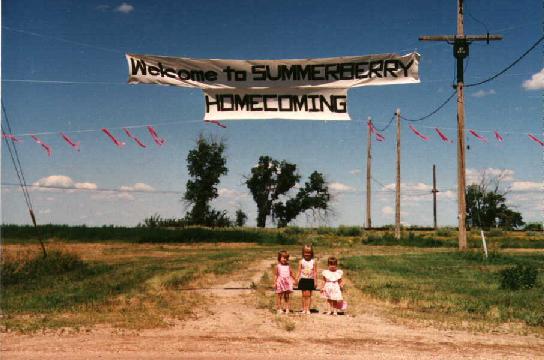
(432, 112)
(509, 66)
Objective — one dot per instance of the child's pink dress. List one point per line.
(284, 283)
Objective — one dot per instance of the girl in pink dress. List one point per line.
(332, 286)
(283, 281)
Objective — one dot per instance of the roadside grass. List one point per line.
(450, 286)
(135, 292)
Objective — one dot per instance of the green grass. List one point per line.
(451, 284)
(135, 292)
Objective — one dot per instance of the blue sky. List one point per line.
(83, 44)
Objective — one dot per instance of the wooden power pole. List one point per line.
(434, 197)
(397, 188)
(460, 51)
(368, 174)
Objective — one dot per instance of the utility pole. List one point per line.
(397, 199)
(368, 174)
(460, 52)
(434, 197)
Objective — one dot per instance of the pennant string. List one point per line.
(115, 141)
(442, 136)
(11, 137)
(216, 123)
(498, 136)
(158, 140)
(425, 138)
(136, 139)
(535, 139)
(43, 145)
(73, 144)
(478, 136)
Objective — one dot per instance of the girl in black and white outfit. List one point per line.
(307, 275)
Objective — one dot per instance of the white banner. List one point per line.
(313, 89)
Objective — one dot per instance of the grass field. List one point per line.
(113, 281)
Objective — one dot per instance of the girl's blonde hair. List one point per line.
(332, 261)
(308, 247)
(283, 253)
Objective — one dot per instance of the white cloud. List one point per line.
(86, 186)
(536, 82)
(355, 171)
(483, 93)
(388, 210)
(523, 186)
(124, 8)
(230, 193)
(137, 187)
(339, 187)
(58, 181)
(103, 7)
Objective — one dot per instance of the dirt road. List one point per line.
(235, 327)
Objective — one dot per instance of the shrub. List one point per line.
(519, 277)
(446, 232)
(349, 231)
(495, 233)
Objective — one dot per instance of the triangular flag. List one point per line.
(115, 141)
(70, 141)
(478, 136)
(44, 145)
(138, 141)
(158, 140)
(425, 138)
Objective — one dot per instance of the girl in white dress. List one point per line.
(332, 285)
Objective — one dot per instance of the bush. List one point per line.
(495, 233)
(56, 263)
(519, 277)
(446, 232)
(349, 231)
(533, 226)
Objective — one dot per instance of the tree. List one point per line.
(241, 218)
(270, 183)
(486, 202)
(206, 164)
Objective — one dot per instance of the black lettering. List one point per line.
(139, 66)
(314, 105)
(331, 73)
(388, 69)
(376, 67)
(269, 74)
(184, 74)
(229, 97)
(289, 100)
(209, 103)
(210, 76)
(254, 100)
(288, 73)
(265, 98)
(346, 71)
(299, 102)
(361, 70)
(240, 75)
(323, 101)
(241, 102)
(339, 103)
(315, 72)
(405, 68)
(153, 70)
(256, 70)
(229, 72)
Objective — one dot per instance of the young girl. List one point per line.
(283, 280)
(332, 285)
(307, 275)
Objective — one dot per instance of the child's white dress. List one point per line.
(332, 290)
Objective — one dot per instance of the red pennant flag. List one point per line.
(442, 136)
(158, 140)
(115, 141)
(44, 145)
(535, 139)
(425, 138)
(11, 137)
(374, 131)
(70, 141)
(138, 141)
(478, 136)
(216, 123)
(498, 136)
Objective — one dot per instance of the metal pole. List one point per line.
(434, 197)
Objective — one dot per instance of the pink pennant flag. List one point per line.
(216, 123)
(115, 141)
(374, 131)
(498, 136)
(73, 144)
(138, 141)
(535, 139)
(425, 138)
(44, 145)
(158, 140)
(11, 137)
(442, 136)
(478, 136)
